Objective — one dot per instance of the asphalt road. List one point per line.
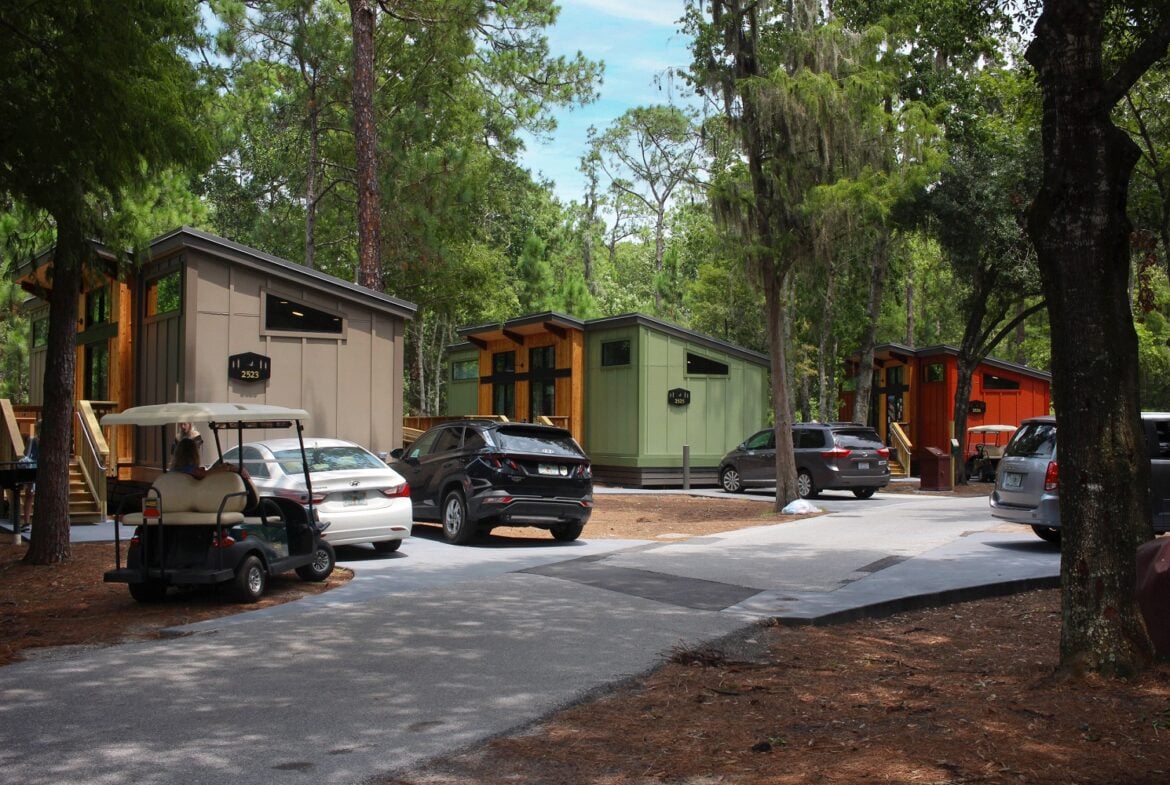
(437, 647)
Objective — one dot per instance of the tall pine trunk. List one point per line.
(364, 15)
(1079, 226)
(49, 543)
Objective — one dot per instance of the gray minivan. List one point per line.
(1027, 478)
(829, 456)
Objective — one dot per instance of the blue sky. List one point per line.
(637, 40)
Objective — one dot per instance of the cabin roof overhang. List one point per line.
(519, 330)
(883, 353)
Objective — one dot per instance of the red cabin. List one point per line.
(913, 400)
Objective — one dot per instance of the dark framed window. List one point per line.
(463, 370)
(165, 294)
(504, 362)
(40, 333)
(97, 371)
(284, 315)
(993, 382)
(504, 399)
(697, 364)
(543, 398)
(935, 372)
(97, 307)
(615, 353)
(542, 358)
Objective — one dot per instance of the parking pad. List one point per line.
(695, 593)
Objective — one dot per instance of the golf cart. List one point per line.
(985, 444)
(216, 530)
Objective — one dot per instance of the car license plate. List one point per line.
(355, 499)
(1011, 480)
(863, 465)
(551, 469)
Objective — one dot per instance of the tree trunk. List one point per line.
(311, 185)
(877, 285)
(964, 371)
(910, 308)
(781, 405)
(1079, 226)
(825, 382)
(363, 13)
(49, 542)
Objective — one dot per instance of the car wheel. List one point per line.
(730, 480)
(457, 528)
(322, 565)
(387, 546)
(1048, 534)
(864, 493)
(566, 532)
(805, 487)
(149, 592)
(250, 580)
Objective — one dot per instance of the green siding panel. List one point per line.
(463, 395)
(611, 394)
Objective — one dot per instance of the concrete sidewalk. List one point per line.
(438, 648)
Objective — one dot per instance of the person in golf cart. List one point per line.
(212, 530)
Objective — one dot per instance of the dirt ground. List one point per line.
(960, 694)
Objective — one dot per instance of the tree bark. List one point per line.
(311, 186)
(877, 285)
(49, 541)
(1079, 226)
(363, 13)
(781, 404)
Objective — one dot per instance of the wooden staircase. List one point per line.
(83, 508)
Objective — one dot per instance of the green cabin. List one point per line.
(634, 390)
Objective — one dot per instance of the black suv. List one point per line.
(829, 456)
(473, 475)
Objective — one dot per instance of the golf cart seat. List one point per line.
(186, 501)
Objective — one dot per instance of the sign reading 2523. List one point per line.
(249, 367)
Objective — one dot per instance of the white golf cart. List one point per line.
(216, 530)
(985, 445)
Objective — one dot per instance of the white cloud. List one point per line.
(659, 12)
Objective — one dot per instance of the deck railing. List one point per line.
(93, 454)
(902, 446)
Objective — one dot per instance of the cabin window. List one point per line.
(504, 399)
(97, 307)
(504, 362)
(285, 315)
(615, 353)
(97, 371)
(543, 358)
(697, 364)
(464, 370)
(993, 382)
(40, 333)
(935, 372)
(165, 294)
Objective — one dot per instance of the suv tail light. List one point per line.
(502, 462)
(584, 472)
(397, 491)
(883, 452)
(836, 452)
(1051, 475)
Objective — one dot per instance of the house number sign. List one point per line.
(249, 367)
(678, 397)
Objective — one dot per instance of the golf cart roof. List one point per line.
(992, 429)
(222, 415)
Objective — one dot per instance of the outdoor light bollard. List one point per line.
(686, 467)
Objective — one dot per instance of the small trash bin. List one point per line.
(934, 468)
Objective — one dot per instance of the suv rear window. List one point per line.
(1033, 440)
(857, 439)
(536, 442)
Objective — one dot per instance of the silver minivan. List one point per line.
(1027, 478)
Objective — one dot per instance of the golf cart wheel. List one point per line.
(805, 487)
(387, 546)
(730, 480)
(322, 565)
(566, 532)
(148, 592)
(250, 581)
(864, 493)
(457, 527)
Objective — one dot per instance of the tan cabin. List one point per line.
(207, 319)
